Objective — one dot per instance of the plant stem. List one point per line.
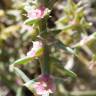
(44, 60)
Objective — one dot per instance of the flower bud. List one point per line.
(37, 46)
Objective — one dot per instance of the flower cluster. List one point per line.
(44, 85)
(36, 13)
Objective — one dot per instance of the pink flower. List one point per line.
(37, 45)
(31, 53)
(44, 85)
(36, 13)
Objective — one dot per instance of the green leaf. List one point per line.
(27, 59)
(66, 72)
(61, 45)
(39, 52)
(69, 72)
(63, 20)
(24, 60)
(21, 74)
(31, 21)
(59, 67)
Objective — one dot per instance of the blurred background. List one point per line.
(15, 41)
